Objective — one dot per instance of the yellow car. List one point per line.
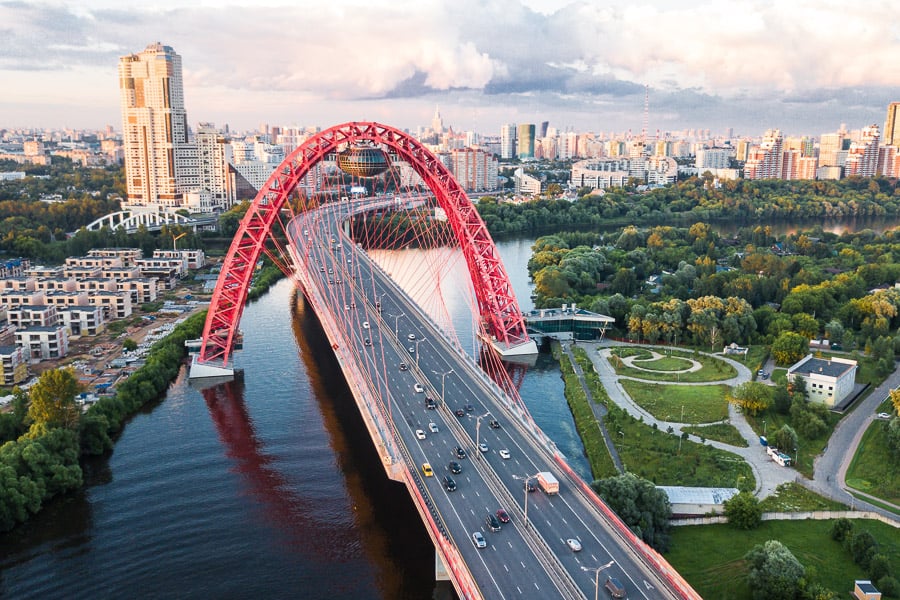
(426, 469)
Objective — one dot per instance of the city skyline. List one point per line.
(803, 68)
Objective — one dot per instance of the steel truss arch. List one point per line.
(496, 300)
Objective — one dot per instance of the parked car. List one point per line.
(883, 416)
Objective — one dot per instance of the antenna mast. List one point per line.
(646, 114)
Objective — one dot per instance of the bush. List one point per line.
(862, 547)
(841, 528)
(879, 567)
(889, 586)
(743, 511)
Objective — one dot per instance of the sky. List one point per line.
(803, 66)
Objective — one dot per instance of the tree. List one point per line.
(895, 400)
(53, 399)
(862, 547)
(775, 573)
(752, 397)
(841, 529)
(129, 345)
(789, 347)
(743, 511)
(786, 438)
(640, 504)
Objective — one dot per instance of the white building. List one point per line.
(525, 183)
(508, 141)
(828, 380)
(43, 343)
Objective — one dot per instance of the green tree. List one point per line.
(789, 347)
(841, 528)
(129, 345)
(640, 504)
(774, 572)
(862, 547)
(743, 511)
(752, 397)
(786, 438)
(53, 399)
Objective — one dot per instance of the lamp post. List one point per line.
(443, 375)
(396, 322)
(525, 481)
(416, 342)
(478, 431)
(596, 571)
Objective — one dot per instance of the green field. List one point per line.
(661, 369)
(873, 469)
(700, 403)
(720, 432)
(664, 363)
(710, 557)
(793, 497)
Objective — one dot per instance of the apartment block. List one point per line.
(43, 343)
(82, 320)
(115, 305)
(13, 365)
(193, 258)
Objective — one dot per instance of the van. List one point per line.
(614, 587)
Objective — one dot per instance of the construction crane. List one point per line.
(175, 239)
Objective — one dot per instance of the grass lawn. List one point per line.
(755, 358)
(700, 403)
(873, 469)
(711, 557)
(665, 363)
(721, 432)
(588, 429)
(660, 369)
(649, 452)
(779, 375)
(793, 497)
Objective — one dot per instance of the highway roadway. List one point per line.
(385, 328)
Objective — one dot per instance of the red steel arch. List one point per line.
(497, 304)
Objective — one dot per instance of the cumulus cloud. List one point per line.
(685, 51)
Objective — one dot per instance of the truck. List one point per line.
(548, 482)
(779, 457)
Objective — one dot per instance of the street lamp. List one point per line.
(525, 481)
(478, 431)
(596, 571)
(443, 375)
(396, 321)
(416, 342)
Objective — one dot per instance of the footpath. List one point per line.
(829, 468)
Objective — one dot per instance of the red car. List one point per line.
(501, 514)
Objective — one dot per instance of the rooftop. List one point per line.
(829, 367)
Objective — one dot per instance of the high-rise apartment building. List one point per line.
(475, 169)
(892, 125)
(767, 159)
(508, 141)
(154, 126)
(862, 158)
(525, 140)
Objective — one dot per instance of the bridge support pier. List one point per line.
(440, 569)
(201, 370)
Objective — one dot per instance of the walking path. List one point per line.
(829, 468)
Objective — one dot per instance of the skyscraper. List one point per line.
(892, 125)
(154, 125)
(508, 141)
(525, 140)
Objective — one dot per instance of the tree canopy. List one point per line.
(640, 504)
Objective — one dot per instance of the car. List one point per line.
(504, 454)
(478, 540)
(429, 403)
(529, 486)
(614, 587)
(459, 452)
(454, 467)
(418, 388)
(411, 337)
(433, 427)
(346, 307)
(492, 522)
(426, 470)
(420, 434)
(762, 374)
(469, 408)
(573, 544)
(403, 366)
(322, 269)
(365, 324)
(483, 447)
(448, 483)
(459, 412)
(494, 424)
(330, 271)
(411, 350)
(353, 305)
(367, 342)
(883, 416)
(378, 305)
(502, 515)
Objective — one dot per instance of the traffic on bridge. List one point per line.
(508, 517)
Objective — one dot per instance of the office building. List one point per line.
(154, 125)
(525, 141)
(862, 157)
(892, 125)
(508, 141)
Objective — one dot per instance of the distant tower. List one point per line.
(437, 124)
(646, 122)
(508, 141)
(892, 125)
(525, 140)
(154, 125)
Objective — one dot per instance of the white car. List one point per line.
(883, 416)
(478, 540)
(433, 427)
(418, 388)
(483, 447)
(574, 544)
(420, 434)
(411, 337)
(365, 324)
(504, 454)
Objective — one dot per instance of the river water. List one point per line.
(269, 489)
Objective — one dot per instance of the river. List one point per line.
(270, 488)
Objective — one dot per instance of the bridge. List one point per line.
(152, 220)
(434, 411)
